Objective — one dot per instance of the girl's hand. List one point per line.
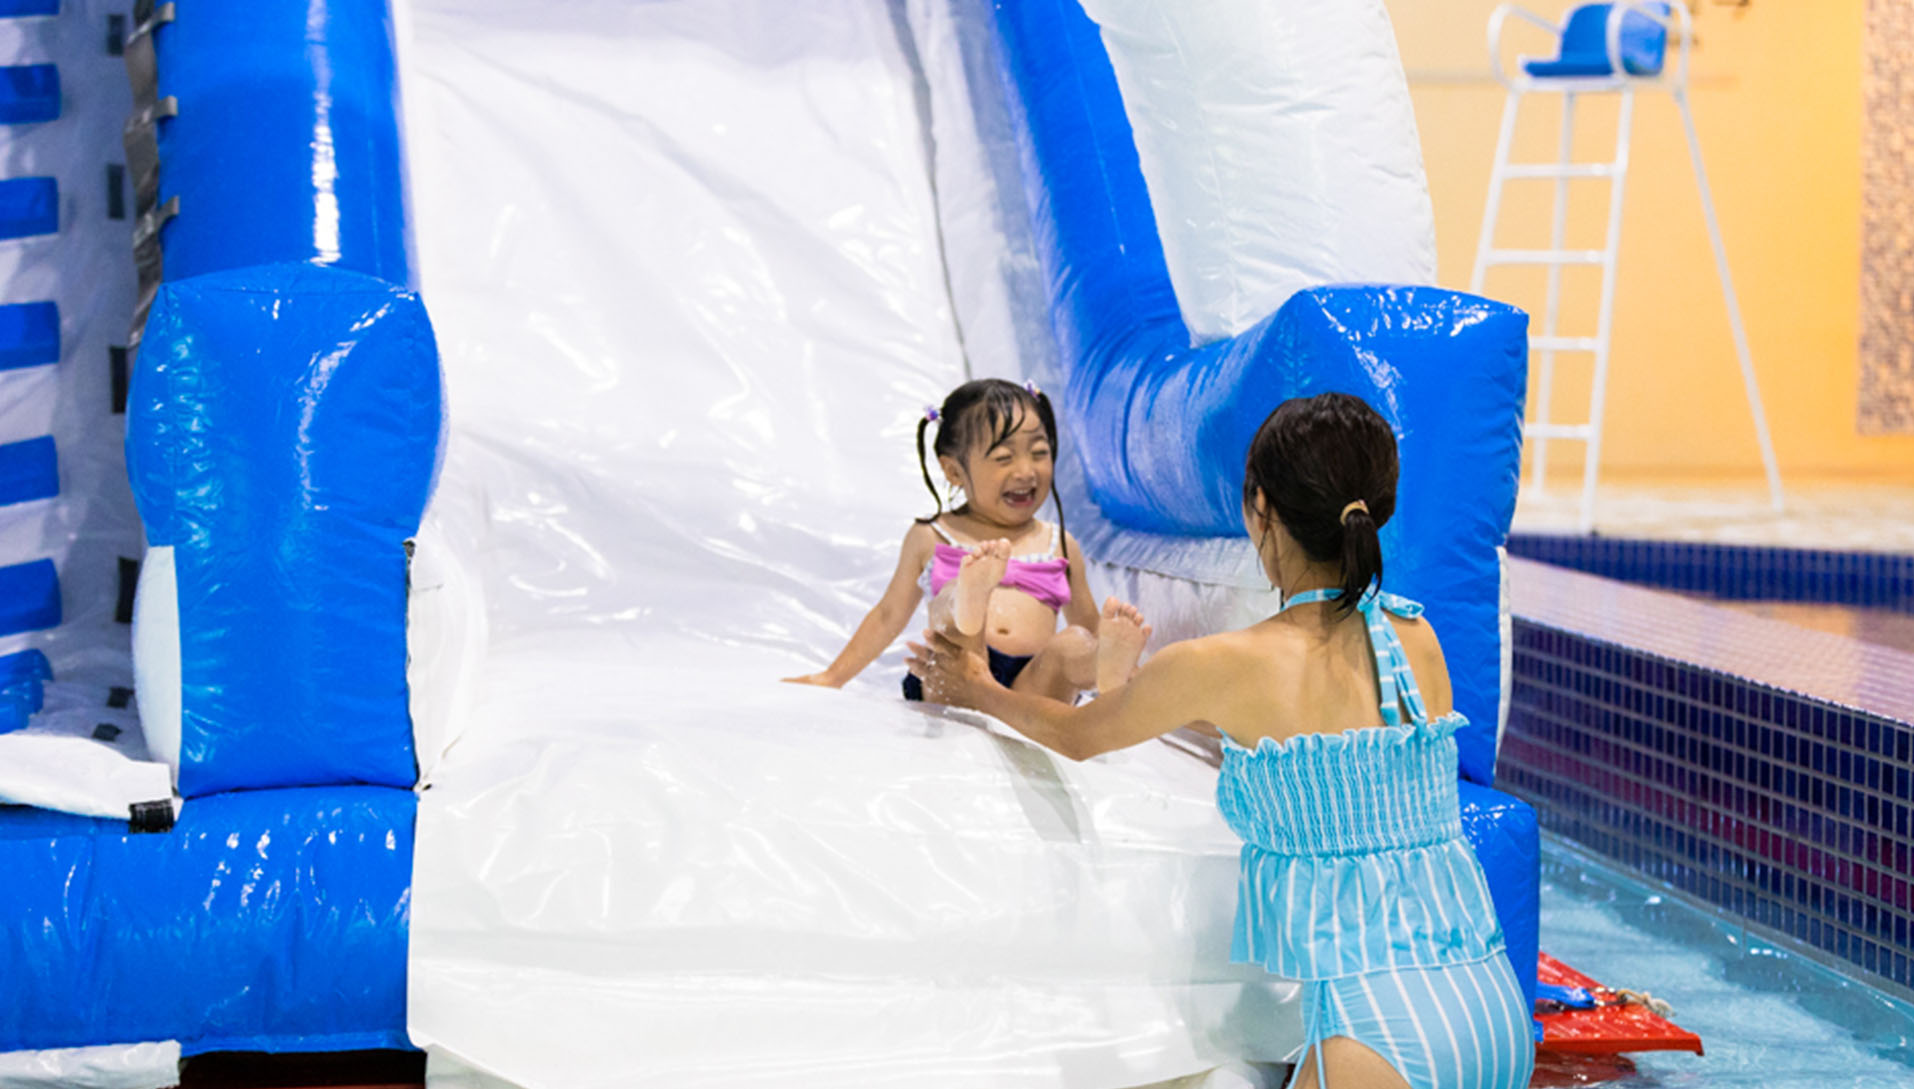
(951, 674)
(817, 679)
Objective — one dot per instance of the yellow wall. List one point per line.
(1777, 101)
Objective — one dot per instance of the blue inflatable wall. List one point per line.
(282, 430)
(286, 143)
(266, 920)
(1508, 843)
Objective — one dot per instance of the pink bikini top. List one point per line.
(1046, 578)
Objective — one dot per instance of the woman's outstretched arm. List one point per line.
(1171, 690)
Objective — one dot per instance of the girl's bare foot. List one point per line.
(977, 576)
(1120, 638)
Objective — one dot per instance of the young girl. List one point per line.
(997, 575)
(1355, 876)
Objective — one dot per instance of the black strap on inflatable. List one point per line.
(146, 260)
(116, 191)
(141, 141)
(141, 138)
(151, 816)
(129, 588)
(121, 375)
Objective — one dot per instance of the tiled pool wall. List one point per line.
(1738, 572)
(1792, 812)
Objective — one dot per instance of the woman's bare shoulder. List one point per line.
(1226, 657)
(1418, 638)
(1419, 642)
(1198, 654)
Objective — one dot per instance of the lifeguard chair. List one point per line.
(1604, 48)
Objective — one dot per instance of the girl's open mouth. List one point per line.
(1025, 498)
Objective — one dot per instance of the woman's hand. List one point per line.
(952, 675)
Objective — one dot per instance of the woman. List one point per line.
(1338, 772)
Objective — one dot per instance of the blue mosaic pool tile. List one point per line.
(1785, 809)
(1734, 572)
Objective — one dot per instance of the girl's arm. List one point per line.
(887, 618)
(1082, 610)
(1171, 690)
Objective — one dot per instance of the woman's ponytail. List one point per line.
(1361, 555)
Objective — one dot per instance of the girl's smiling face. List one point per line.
(1008, 483)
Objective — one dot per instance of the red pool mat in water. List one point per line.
(1614, 1023)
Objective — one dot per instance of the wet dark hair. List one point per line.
(1311, 458)
(987, 409)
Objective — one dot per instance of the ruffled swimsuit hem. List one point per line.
(1325, 916)
(1275, 966)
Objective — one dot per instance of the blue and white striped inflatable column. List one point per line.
(69, 538)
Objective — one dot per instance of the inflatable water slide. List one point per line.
(519, 389)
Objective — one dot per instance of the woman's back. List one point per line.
(1311, 670)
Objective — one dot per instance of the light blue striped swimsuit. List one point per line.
(1357, 881)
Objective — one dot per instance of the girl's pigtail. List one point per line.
(1047, 416)
(923, 465)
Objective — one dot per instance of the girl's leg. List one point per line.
(1075, 660)
(1065, 666)
(961, 607)
(1120, 638)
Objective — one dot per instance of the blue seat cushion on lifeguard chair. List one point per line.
(1585, 45)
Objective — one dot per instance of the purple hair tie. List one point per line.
(930, 413)
(1031, 388)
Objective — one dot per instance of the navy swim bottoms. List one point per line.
(1004, 667)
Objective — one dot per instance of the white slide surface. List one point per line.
(684, 264)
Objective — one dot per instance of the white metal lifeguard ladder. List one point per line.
(1602, 48)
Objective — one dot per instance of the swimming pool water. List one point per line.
(1767, 1015)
